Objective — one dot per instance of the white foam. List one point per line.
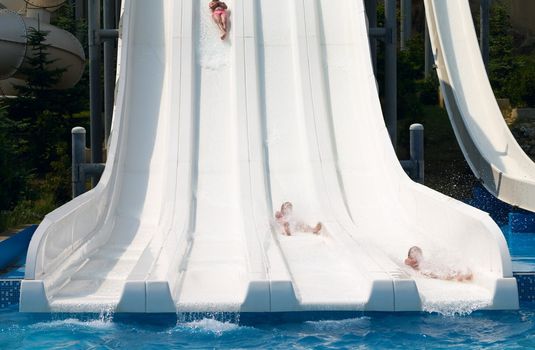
(96, 324)
(328, 325)
(452, 298)
(210, 325)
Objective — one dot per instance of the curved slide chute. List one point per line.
(210, 137)
(485, 139)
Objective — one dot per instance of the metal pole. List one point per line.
(391, 70)
(371, 11)
(78, 157)
(109, 76)
(417, 151)
(484, 30)
(94, 83)
(428, 54)
(78, 9)
(117, 12)
(406, 23)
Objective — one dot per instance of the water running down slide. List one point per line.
(485, 139)
(210, 137)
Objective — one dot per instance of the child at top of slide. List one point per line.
(285, 220)
(220, 16)
(415, 259)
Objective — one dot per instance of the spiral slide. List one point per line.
(210, 137)
(485, 139)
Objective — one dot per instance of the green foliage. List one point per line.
(501, 62)
(12, 177)
(511, 75)
(428, 88)
(38, 106)
(65, 20)
(35, 133)
(414, 90)
(521, 84)
(410, 74)
(37, 94)
(27, 212)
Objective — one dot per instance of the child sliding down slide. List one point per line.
(290, 225)
(220, 16)
(415, 259)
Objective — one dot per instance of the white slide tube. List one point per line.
(485, 139)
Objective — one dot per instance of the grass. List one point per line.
(28, 212)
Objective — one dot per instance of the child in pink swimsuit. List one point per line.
(220, 16)
(289, 225)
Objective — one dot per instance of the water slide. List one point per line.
(485, 139)
(210, 137)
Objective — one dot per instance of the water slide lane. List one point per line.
(487, 143)
(217, 265)
(136, 214)
(367, 182)
(330, 269)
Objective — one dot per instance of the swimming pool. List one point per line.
(521, 248)
(489, 330)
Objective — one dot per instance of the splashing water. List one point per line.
(451, 309)
(213, 53)
(489, 330)
(225, 317)
(215, 323)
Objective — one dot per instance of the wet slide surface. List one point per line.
(210, 137)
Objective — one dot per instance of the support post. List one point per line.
(117, 12)
(484, 31)
(371, 11)
(428, 54)
(406, 23)
(417, 151)
(109, 76)
(94, 82)
(78, 9)
(391, 70)
(78, 158)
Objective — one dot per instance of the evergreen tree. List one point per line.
(12, 176)
(502, 63)
(35, 132)
(38, 106)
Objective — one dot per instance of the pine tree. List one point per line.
(501, 63)
(12, 176)
(38, 106)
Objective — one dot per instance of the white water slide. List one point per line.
(210, 137)
(485, 139)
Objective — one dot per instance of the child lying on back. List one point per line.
(415, 259)
(289, 225)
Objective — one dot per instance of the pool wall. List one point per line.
(9, 293)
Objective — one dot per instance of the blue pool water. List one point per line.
(522, 249)
(489, 330)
